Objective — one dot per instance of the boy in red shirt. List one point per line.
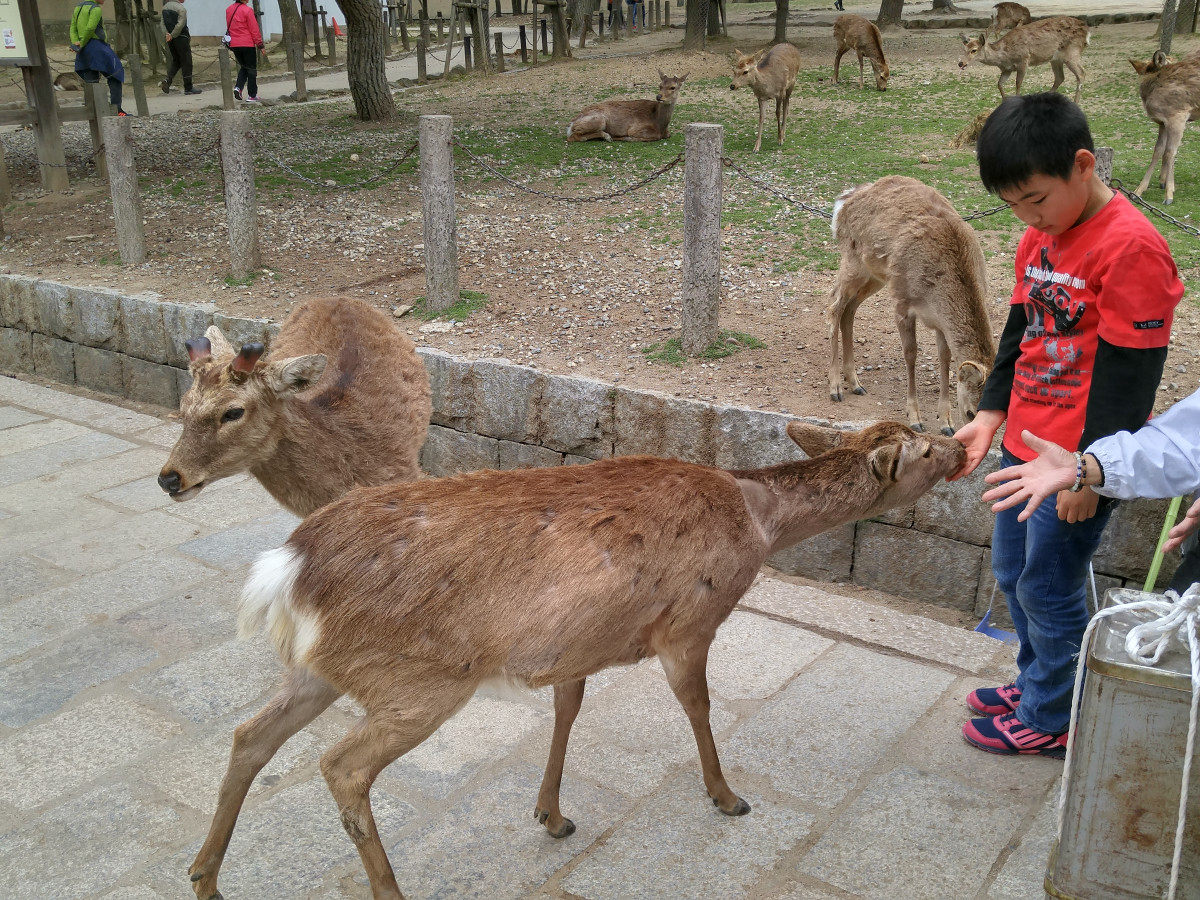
(1080, 358)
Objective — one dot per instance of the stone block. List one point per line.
(953, 509)
(576, 416)
(506, 400)
(183, 381)
(272, 333)
(451, 383)
(53, 359)
(239, 331)
(753, 438)
(984, 598)
(447, 452)
(828, 556)
(900, 516)
(1130, 540)
(15, 291)
(145, 336)
(97, 314)
(527, 456)
(100, 370)
(16, 350)
(181, 323)
(572, 460)
(661, 425)
(151, 383)
(52, 310)
(916, 565)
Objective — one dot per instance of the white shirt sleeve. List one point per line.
(1160, 459)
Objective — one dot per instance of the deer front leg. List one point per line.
(860, 69)
(302, 697)
(567, 699)
(779, 117)
(762, 112)
(944, 394)
(837, 62)
(1003, 78)
(1076, 68)
(787, 108)
(1160, 147)
(906, 324)
(1020, 78)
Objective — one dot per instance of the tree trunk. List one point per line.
(714, 18)
(1185, 18)
(366, 45)
(945, 6)
(122, 40)
(781, 21)
(889, 13)
(580, 13)
(1166, 26)
(293, 28)
(697, 24)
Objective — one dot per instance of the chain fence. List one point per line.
(1116, 184)
(329, 184)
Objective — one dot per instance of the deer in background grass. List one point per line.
(1007, 15)
(1058, 40)
(629, 120)
(901, 232)
(852, 32)
(771, 74)
(1171, 97)
(408, 597)
(341, 400)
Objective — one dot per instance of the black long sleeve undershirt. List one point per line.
(997, 390)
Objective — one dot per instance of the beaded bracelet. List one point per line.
(1080, 472)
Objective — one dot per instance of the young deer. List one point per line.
(1006, 16)
(852, 32)
(341, 400)
(1171, 97)
(902, 232)
(771, 74)
(407, 597)
(629, 120)
(1059, 40)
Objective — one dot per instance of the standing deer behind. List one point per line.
(408, 597)
(629, 120)
(771, 74)
(1058, 40)
(901, 232)
(1006, 16)
(855, 33)
(342, 400)
(1171, 97)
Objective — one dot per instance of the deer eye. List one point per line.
(232, 414)
(928, 451)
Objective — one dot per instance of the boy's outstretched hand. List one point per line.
(976, 436)
(1051, 471)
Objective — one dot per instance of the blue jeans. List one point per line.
(1041, 566)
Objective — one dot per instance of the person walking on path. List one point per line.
(179, 43)
(245, 40)
(93, 56)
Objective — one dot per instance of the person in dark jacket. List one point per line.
(245, 40)
(93, 56)
(179, 44)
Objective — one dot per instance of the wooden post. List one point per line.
(139, 85)
(422, 75)
(439, 23)
(499, 52)
(241, 206)
(123, 185)
(298, 68)
(39, 89)
(437, 209)
(701, 236)
(467, 53)
(331, 46)
(667, 14)
(404, 35)
(95, 97)
(600, 25)
(5, 185)
(499, 12)
(223, 57)
(545, 40)
(1167, 26)
(524, 46)
(317, 31)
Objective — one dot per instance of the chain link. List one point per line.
(816, 211)
(1115, 183)
(984, 213)
(656, 174)
(325, 185)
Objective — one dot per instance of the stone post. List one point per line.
(524, 46)
(223, 57)
(703, 145)
(499, 52)
(297, 54)
(404, 35)
(5, 184)
(437, 208)
(1104, 163)
(139, 84)
(422, 74)
(96, 99)
(241, 206)
(123, 184)
(667, 14)
(331, 46)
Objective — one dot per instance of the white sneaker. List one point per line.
(252, 100)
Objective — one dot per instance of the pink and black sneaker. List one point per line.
(995, 701)
(1005, 734)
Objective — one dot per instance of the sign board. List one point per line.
(15, 49)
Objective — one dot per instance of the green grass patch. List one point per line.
(469, 302)
(726, 344)
(242, 282)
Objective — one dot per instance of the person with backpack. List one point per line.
(244, 38)
(179, 44)
(93, 56)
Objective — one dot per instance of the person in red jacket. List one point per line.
(245, 40)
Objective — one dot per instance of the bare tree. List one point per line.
(366, 46)
(580, 14)
(890, 13)
(781, 21)
(695, 34)
(293, 28)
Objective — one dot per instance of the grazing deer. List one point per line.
(629, 120)
(1171, 97)
(1006, 16)
(771, 74)
(408, 596)
(902, 232)
(1058, 40)
(855, 33)
(341, 400)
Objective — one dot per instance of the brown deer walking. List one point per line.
(852, 32)
(771, 74)
(629, 120)
(901, 232)
(1058, 40)
(341, 400)
(1171, 97)
(407, 597)
(1007, 15)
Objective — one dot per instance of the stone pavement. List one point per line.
(121, 680)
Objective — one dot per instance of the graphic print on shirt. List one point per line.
(1053, 314)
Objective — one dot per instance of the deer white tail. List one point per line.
(837, 208)
(267, 599)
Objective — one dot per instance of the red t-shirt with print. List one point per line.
(1111, 277)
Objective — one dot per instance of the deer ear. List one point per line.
(247, 358)
(884, 462)
(972, 372)
(965, 39)
(299, 373)
(815, 439)
(198, 349)
(220, 345)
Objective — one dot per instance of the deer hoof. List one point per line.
(860, 390)
(1168, 202)
(947, 431)
(739, 809)
(835, 396)
(917, 426)
(566, 829)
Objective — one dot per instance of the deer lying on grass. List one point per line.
(1171, 97)
(341, 400)
(407, 597)
(629, 120)
(1006, 16)
(855, 33)
(1059, 40)
(771, 74)
(902, 232)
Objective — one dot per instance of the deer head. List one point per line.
(668, 87)
(971, 48)
(744, 66)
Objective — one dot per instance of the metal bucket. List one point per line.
(1122, 796)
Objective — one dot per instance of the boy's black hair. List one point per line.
(1034, 134)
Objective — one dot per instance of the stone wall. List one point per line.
(493, 414)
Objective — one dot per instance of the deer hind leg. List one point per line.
(567, 699)
(1175, 128)
(762, 113)
(1056, 66)
(1160, 147)
(787, 106)
(301, 699)
(944, 392)
(780, 115)
(1076, 67)
(1019, 81)
(837, 62)
(906, 324)
(588, 128)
